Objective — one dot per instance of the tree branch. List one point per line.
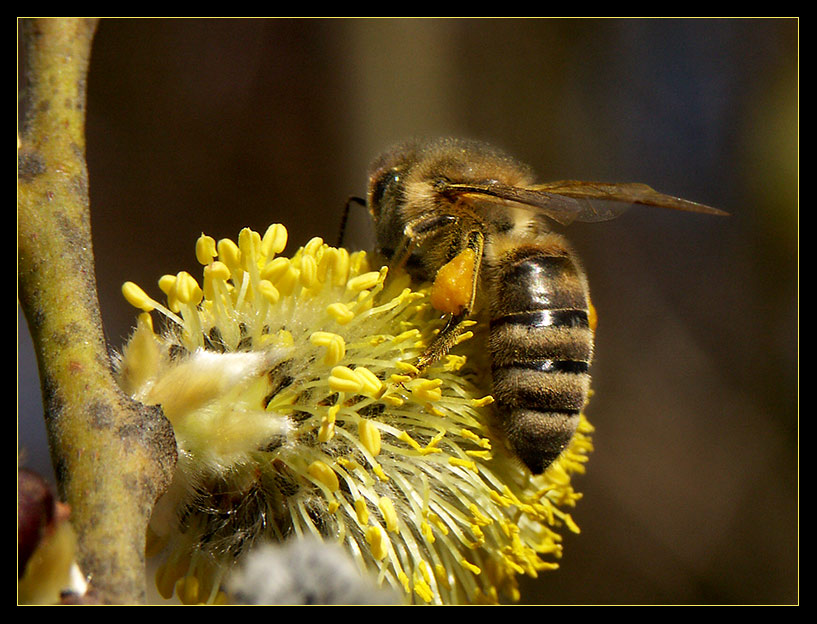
(113, 458)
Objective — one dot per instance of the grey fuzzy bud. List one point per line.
(304, 572)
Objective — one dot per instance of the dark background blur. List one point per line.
(691, 494)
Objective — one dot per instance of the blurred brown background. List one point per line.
(691, 494)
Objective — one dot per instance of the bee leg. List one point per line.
(416, 233)
(453, 292)
(345, 216)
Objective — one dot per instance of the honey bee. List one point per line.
(470, 219)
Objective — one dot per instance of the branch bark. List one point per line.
(113, 457)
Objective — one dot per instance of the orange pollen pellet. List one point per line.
(454, 283)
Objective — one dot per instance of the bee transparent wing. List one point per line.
(624, 193)
(572, 200)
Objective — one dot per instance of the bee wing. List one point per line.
(626, 193)
(571, 200)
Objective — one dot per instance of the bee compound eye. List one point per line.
(383, 183)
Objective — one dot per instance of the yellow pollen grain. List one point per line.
(378, 542)
(205, 249)
(319, 471)
(389, 514)
(369, 436)
(137, 297)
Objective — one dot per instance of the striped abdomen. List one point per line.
(541, 345)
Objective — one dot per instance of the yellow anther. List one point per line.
(343, 379)
(404, 581)
(327, 430)
(426, 390)
(188, 589)
(334, 344)
(340, 312)
(287, 282)
(362, 511)
(363, 282)
(167, 283)
(464, 463)
(340, 267)
(249, 242)
(369, 436)
(229, 254)
(320, 471)
(217, 270)
(389, 514)
(205, 249)
(273, 271)
(441, 574)
(454, 362)
(274, 240)
(405, 437)
(333, 507)
(392, 399)
(378, 542)
(137, 297)
(486, 400)
(268, 291)
(408, 367)
(309, 271)
(422, 589)
(470, 566)
(479, 517)
(313, 245)
(187, 289)
(406, 335)
(372, 386)
(423, 567)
